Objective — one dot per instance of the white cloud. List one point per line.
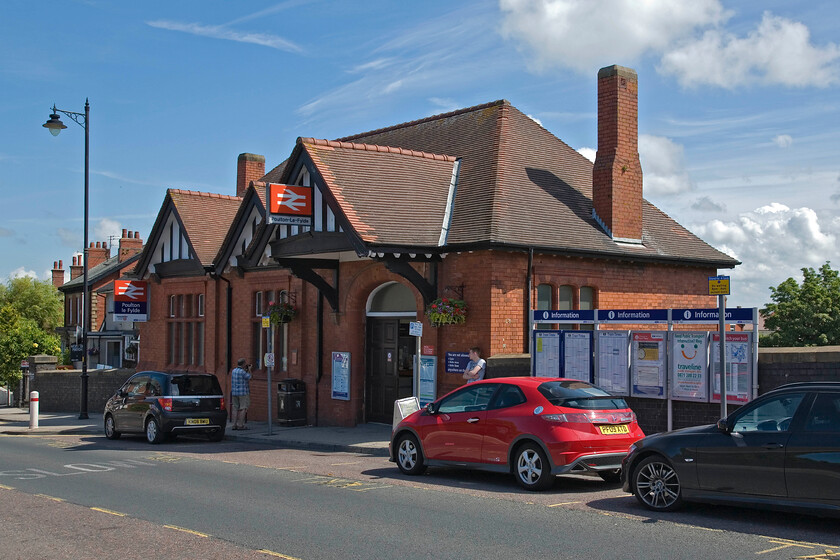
(778, 51)
(584, 34)
(107, 228)
(588, 153)
(221, 32)
(21, 272)
(774, 242)
(663, 166)
(783, 140)
(536, 120)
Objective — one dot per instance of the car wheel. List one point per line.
(153, 431)
(533, 471)
(656, 484)
(111, 428)
(218, 435)
(409, 455)
(613, 476)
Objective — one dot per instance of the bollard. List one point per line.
(33, 409)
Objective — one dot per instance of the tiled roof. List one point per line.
(103, 269)
(207, 217)
(518, 185)
(388, 194)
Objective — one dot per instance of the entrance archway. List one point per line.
(390, 349)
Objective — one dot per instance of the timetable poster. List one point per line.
(689, 371)
(738, 367)
(577, 355)
(612, 362)
(546, 354)
(428, 379)
(341, 376)
(647, 371)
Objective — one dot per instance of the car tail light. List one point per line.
(165, 404)
(222, 403)
(594, 417)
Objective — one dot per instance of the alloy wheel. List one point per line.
(657, 485)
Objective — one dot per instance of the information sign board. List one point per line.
(633, 316)
(689, 372)
(546, 361)
(612, 362)
(577, 355)
(427, 391)
(738, 361)
(718, 285)
(341, 376)
(581, 316)
(131, 300)
(647, 371)
(456, 362)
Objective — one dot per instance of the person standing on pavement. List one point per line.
(476, 367)
(240, 393)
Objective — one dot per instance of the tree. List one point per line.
(34, 299)
(21, 337)
(806, 314)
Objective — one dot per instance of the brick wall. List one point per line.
(60, 391)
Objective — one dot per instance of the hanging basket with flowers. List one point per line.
(445, 311)
(281, 312)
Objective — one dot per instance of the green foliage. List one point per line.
(20, 338)
(806, 314)
(34, 299)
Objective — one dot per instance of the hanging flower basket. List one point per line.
(281, 312)
(445, 311)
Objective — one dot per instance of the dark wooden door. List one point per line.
(387, 380)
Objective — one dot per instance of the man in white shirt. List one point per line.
(476, 367)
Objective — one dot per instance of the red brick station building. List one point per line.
(480, 204)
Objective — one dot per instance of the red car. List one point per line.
(533, 427)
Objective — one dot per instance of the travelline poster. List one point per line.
(738, 367)
(612, 362)
(547, 353)
(647, 371)
(577, 355)
(689, 374)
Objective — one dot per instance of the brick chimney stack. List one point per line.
(58, 274)
(617, 175)
(97, 254)
(130, 245)
(249, 167)
(77, 268)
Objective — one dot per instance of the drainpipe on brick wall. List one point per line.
(228, 345)
(526, 341)
(320, 349)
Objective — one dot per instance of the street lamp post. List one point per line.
(55, 126)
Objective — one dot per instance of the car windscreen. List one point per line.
(184, 385)
(579, 394)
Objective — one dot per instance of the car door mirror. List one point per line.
(723, 426)
(122, 393)
(431, 408)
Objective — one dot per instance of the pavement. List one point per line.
(368, 439)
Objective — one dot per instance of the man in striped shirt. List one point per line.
(240, 393)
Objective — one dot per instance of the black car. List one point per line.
(162, 404)
(780, 451)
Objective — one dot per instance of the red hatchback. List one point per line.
(533, 427)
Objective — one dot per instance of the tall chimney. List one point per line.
(130, 245)
(77, 268)
(617, 175)
(249, 167)
(98, 253)
(58, 274)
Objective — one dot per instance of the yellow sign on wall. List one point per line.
(718, 285)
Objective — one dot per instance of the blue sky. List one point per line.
(738, 118)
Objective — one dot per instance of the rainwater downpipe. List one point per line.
(228, 345)
(528, 290)
(320, 349)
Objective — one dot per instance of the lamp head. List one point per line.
(54, 125)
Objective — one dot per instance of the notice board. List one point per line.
(612, 362)
(648, 362)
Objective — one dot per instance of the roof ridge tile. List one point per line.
(374, 148)
(205, 194)
(428, 119)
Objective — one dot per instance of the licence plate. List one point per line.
(615, 429)
(198, 421)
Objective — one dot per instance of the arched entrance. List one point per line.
(390, 349)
